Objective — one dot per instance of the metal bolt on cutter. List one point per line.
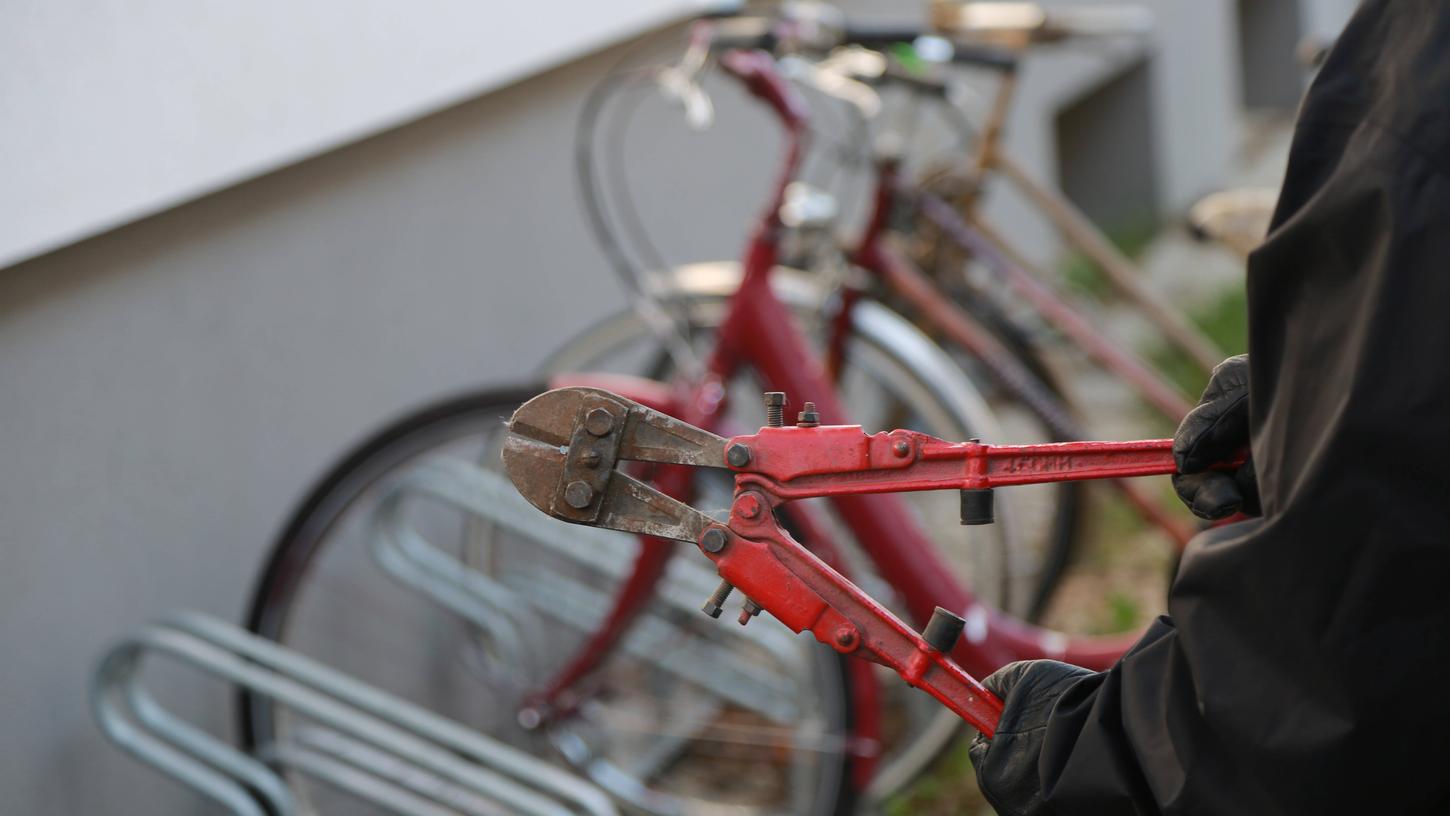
(565, 447)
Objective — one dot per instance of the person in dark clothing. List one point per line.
(1303, 666)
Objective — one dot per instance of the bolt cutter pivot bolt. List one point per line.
(599, 422)
(775, 409)
(713, 540)
(737, 455)
(578, 495)
(748, 506)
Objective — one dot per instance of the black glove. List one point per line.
(1214, 431)
(1006, 765)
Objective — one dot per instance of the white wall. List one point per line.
(111, 110)
(168, 389)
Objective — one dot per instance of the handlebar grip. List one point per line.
(879, 36)
(980, 56)
(742, 33)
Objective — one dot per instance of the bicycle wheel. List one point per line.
(683, 711)
(1048, 417)
(1062, 529)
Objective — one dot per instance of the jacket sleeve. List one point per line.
(1301, 667)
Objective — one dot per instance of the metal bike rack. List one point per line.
(508, 610)
(359, 739)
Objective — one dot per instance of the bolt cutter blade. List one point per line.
(644, 434)
(564, 446)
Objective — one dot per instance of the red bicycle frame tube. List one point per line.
(875, 256)
(1153, 388)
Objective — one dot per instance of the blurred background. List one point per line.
(234, 238)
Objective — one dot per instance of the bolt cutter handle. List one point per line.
(565, 447)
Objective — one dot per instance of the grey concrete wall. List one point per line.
(168, 389)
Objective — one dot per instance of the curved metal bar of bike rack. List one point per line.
(410, 558)
(489, 496)
(374, 776)
(436, 746)
(111, 707)
(436, 728)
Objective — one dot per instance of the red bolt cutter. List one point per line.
(565, 446)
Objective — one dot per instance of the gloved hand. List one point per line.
(1214, 431)
(1006, 765)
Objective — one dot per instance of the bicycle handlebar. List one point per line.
(1018, 25)
(758, 73)
(817, 34)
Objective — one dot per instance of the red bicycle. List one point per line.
(599, 660)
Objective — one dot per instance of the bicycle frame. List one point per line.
(1079, 231)
(759, 334)
(875, 254)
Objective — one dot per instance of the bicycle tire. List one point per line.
(298, 546)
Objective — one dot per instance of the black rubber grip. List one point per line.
(982, 57)
(879, 36)
(744, 33)
(977, 506)
(942, 630)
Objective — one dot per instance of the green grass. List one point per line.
(1224, 319)
(949, 786)
(1132, 237)
(1123, 613)
(1226, 322)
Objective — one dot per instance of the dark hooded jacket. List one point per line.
(1305, 664)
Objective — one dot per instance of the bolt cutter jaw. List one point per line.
(563, 454)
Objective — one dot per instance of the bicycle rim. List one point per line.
(309, 597)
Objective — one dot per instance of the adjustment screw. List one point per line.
(749, 610)
(737, 455)
(808, 418)
(713, 540)
(578, 495)
(717, 600)
(775, 409)
(599, 422)
(748, 506)
(591, 459)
